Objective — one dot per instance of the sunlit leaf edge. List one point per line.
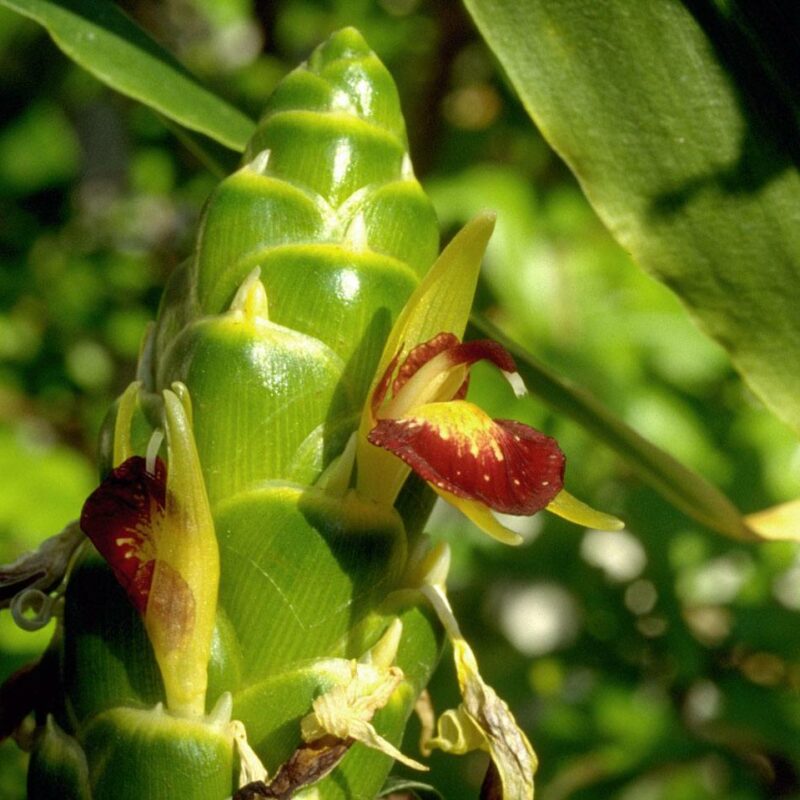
(104, 41)
(682, 114)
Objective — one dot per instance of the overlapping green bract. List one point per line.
(326, 216)
(326, 205)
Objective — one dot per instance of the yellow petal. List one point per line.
(482, 517)
(441, 302)
(456, 733)
(779, 523)
(443, 299)
(572, 509)
(182, 605)
(251, 767)
(363, 687)
(346, 710)
(365, 733)
(508, 746)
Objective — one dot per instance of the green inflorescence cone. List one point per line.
(304, 258)
(248, 605)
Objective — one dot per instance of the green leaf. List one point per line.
(681, 124)
(678, 484)
(106, 43)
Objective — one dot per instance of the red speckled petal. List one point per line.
(458, 448)
(121, 516)
(421, 355)
(483, 350)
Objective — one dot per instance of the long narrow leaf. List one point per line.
(682, 122)
(105, 42)
(678, 484)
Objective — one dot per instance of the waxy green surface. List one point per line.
(268, 402)
(170, 757)
(326, 205)
(327, 208)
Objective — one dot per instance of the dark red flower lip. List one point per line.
(453, 445)
(119, 517)
(502, 464)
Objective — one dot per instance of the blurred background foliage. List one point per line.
(660, 663)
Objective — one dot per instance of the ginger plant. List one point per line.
(248, 606)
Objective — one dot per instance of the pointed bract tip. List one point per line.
(259, 163)
(384, 652)
(175, 417)
(482, 224)
(182, 393)
(344, 43)
(222, 712)
(251, 297)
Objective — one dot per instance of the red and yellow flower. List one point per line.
(152, 523)
(418, 416)
(471, 460)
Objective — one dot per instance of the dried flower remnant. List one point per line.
(482, 721)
